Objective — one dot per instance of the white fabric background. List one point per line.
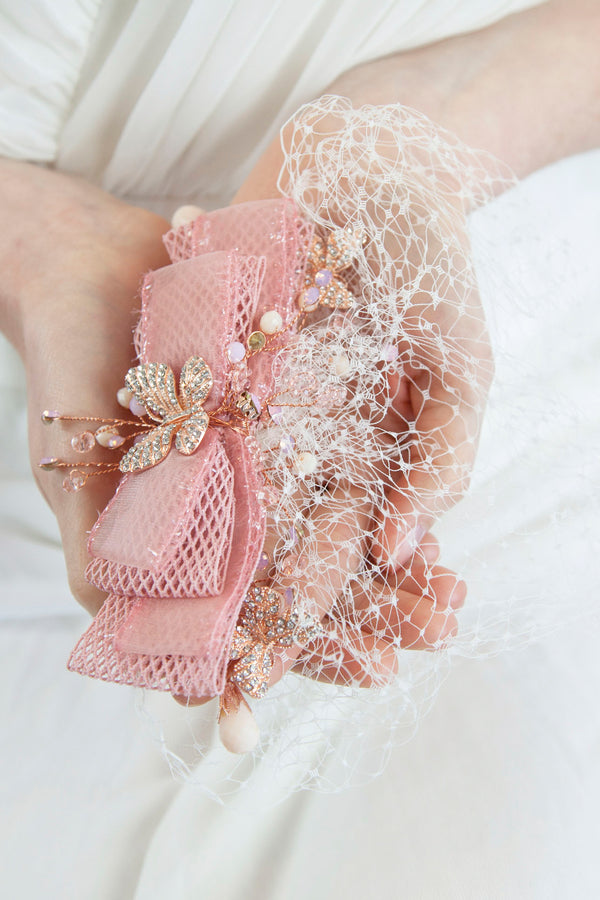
(85, 83)
(497, 794)
(495, 797)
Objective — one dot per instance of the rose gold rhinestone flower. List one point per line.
(266, 623)
(177, 415)
(326, 259)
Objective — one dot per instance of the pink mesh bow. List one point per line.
(177, 547)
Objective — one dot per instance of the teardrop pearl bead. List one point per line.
(185, 214)
(124, 397)
(238, 731)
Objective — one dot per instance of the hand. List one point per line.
(72, 260)
(438, 394)
(75, 339)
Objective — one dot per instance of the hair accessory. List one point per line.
(326, 260)
(179, 544)
(347, 417)
(267, 621)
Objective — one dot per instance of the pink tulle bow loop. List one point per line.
(270, 228)
(178, 544)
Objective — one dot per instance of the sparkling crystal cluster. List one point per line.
(326, 259)
(266, 622)
(153, 386)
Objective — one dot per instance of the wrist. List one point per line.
(61, 238)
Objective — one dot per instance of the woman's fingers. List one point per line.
(362, 660)
(444, 371)
(440, 454)
(413, 610)
(338, 532)
(416, 612)
(409, 621)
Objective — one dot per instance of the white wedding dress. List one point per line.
(497, 793)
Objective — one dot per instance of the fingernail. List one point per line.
(450, 629)
(458, 595)
(407, 546)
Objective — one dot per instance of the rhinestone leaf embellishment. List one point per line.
(264, 624)
(326, 259)
(177, 416)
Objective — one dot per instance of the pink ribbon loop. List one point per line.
(177, 546)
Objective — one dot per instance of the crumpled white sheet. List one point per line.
(497, 794)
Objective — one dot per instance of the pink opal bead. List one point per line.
(323, 277)
(287, 444)
(48, 462)
(136, 408)
(311, 297)
(263, 562)
(390, 352)
(236, 352)
(49, 415)
(257, 403)
(276, 413)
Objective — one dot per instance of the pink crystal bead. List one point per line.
(275, 412)
(287, 444)
(390, 352)
(263, 562)
(257, 403)
(290, 565)
(48, 462)
(332, 395)
(83, 443)
(269, 495)
(236, 352)
(74, 481)
(136, 408)
(323, 277)
(49, 415)
(239, 377)
(288, 596)
(301, 563)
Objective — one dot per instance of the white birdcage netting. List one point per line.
(386, 402)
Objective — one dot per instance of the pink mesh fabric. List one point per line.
(177, 547)
(187, 531)
(201, 305)
(180, 644)
(96, 655)
(270, 228)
